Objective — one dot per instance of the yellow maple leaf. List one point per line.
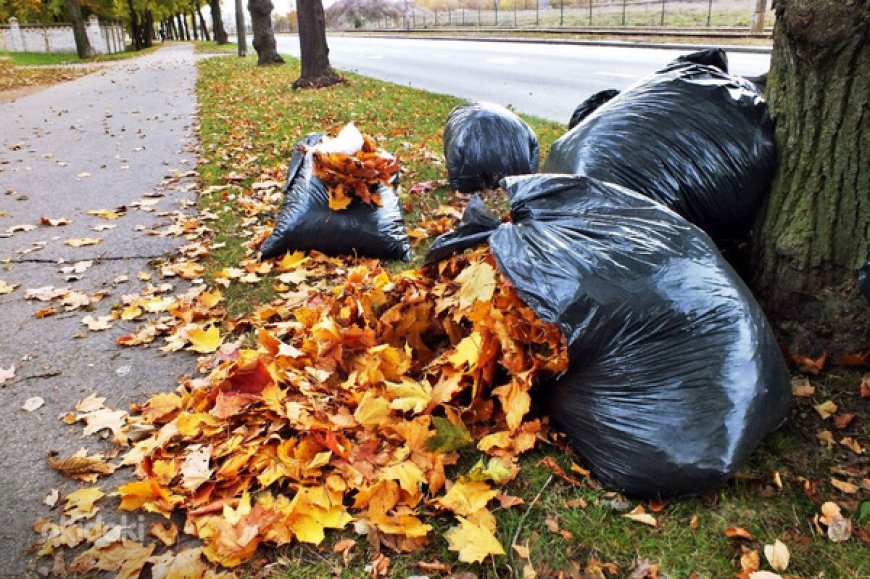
(83, 241)
(477, 284)
(466, 498)
(467, 351)
(372, 410)
(409, 395)
(204, 341)
(80, 504)
(473, 542)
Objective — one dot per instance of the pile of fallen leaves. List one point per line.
(348, 411)
(355, 175)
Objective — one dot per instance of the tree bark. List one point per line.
(134, 26)
(203, 26)
(193, 25)
(815, 232)
(180, 25)
(148, 29)
(314, 52)
(241, 33)
(74, 12)
(264, 36)
(217, 23)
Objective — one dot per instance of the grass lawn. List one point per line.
(249, 123)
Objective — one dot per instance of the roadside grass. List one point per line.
(56, 58)
(251, 113)
(251, 119)
(211, 47)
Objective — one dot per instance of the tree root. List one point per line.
(321, 81)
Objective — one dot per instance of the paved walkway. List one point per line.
(112, 138)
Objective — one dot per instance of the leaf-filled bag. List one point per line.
(306, 222)
(589, 106)
(484, 142)
(690, 136)
(675, 374)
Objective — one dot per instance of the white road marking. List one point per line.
(502, 60)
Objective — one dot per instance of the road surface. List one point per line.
(546, 80)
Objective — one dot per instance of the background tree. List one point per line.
(217, 23)
(73, 11)
(816, 228)
(241, 32)
(264, 36)
(313, 49)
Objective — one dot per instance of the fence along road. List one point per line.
(546, 80)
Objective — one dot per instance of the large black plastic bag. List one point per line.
(306, 222)
(675, 374)
(484, 142)
(589, 106)
(690, 136)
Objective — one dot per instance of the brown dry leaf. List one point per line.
(33, 403)
(739, 533)
(844, 486)
(126, 557)
(801, 387)
(639, 515)
(186, 564)
(764, 575)
(45, 312)
(839, 527)
(109, 213)
(810, 365)
(750, 560)
(826, 409)
(521, 550)
(777, 555)
(7, 374)
(54, 222)
(343, 545)
(82, 467)
(83, 241)
(90, 403)
(842, 421)
(98, 323)
(167, 535)
(864, 387)
(7, 288)
(80, 505)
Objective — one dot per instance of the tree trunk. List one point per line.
(179, 23)
(264, 36)
(202, 24)
(134, 26)
(241, 33)
(313, 49)
(193, 26)
(83, 45)
(815, 232)
(217, 23)
(148, 29)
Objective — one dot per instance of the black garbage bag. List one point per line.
(589, 106)
(690, 136)
(306, 222)
(715, 57)
(484, 142)
(675, 375)
(477, 224)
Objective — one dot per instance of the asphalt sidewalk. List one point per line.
(123, 136)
